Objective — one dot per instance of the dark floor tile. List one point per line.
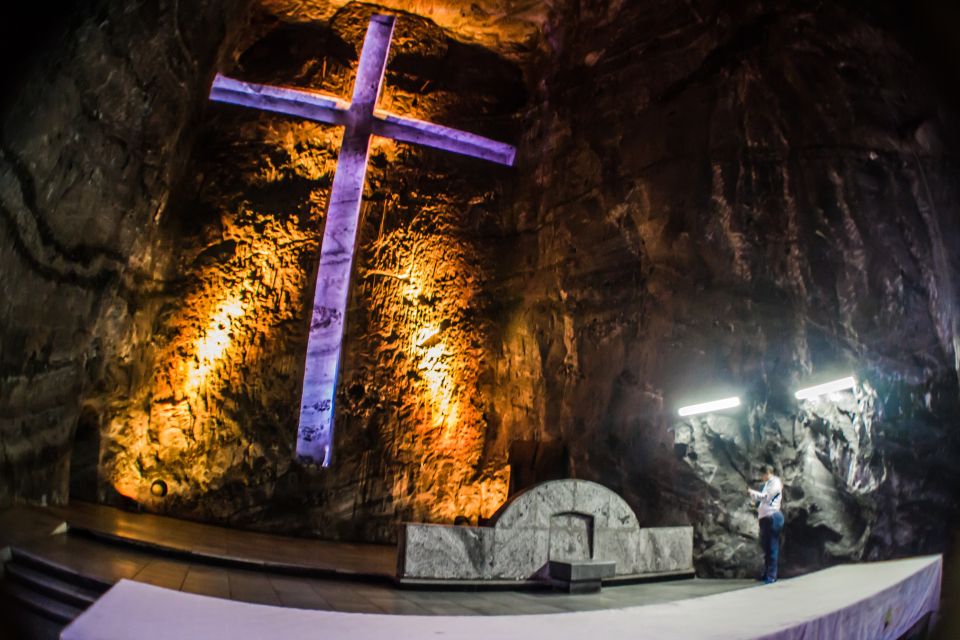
(399, 606)
(163, 573)
(344, 597)
(297, 593)
(252, 587)
(207, 581)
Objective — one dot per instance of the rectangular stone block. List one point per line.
(665, 549)
(444, 552)
(617, 545)
(520, 553)
(582, 570)
(583, 586)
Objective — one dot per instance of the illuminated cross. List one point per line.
(360, 120)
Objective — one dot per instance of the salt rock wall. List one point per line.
(214, 417)
(94, 131)
(710, 197)
(741, 197)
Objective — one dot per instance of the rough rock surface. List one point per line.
(94, 132)
(758, 194)
(710, 196)
(215, 417)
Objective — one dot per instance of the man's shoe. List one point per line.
(769, 580)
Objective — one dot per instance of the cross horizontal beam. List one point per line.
(320, 107)
(360, 120)
(310, 105)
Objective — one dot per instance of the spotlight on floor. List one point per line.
(707, 407)
(826, 387)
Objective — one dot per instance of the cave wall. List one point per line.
(709, 197)
(214, 418)
(758, 195)
(94, 134)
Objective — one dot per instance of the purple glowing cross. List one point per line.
(359, 120)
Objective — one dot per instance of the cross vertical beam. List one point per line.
(315, 435)
(360, 120)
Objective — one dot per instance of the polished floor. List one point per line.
(220, 543)
(31, 529)
(890, 600)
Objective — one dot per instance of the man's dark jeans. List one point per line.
(770, 528)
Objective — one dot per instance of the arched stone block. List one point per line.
(559, 519)
(534, 507)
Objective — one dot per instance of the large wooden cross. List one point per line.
(360, 120)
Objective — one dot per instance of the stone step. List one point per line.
(581, 586)
(46, 606)
(580, 576)
(582, 570)
(65, 574)
(51, 585)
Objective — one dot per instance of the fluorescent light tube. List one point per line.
(707, 407)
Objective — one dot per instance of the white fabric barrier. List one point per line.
(872, 601)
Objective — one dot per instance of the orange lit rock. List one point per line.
(485, 22)
(228, 344)
(733, 192)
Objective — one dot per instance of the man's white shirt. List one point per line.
(769, 497)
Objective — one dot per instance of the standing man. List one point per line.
(771, 521)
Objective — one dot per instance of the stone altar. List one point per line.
(565, 520)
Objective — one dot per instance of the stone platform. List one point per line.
(55, 571)
(210, 544)
(566, 520)
(880, 601)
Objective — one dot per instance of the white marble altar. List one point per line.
(555, 520)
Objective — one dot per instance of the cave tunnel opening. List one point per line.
(85, 456)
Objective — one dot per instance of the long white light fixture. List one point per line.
(827, 387)
(707, 407)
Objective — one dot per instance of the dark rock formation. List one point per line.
(710, 196)
(95, 131)
(757, 194)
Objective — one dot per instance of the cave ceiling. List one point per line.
(507, 27)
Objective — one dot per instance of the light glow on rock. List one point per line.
(360, 120)
(707, 407)
(233, 337)
(214, 342)
(827, 387)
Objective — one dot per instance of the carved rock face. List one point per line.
(412, 414)
(718, 195)
(96, 126)
(508, 29)
(737, 210)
